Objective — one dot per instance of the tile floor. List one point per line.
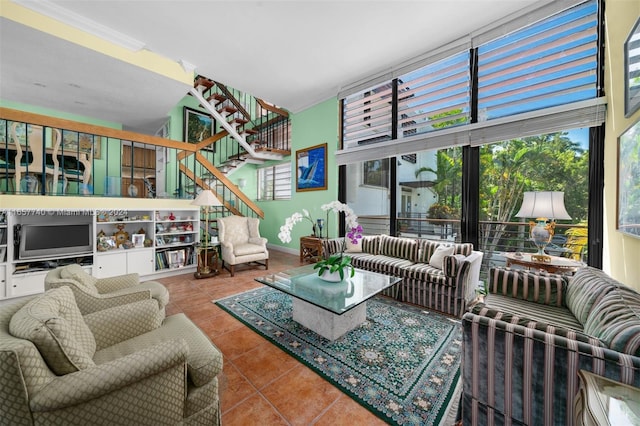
(260, 383)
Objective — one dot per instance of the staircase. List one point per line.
(242, 139)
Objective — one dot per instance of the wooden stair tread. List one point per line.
(227, 109)
(217, 97)
(239, 120)
(239, 156)
(250, 131)
(274, 150)
(203, 81)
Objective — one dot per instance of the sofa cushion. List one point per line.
(428, 247)
(615, 319)
(403, 248)
(204, 361)
(378, 263)
(558, 316)
(534, 286)
(585, 288)
(427, 273)
(437, 258)
(53, 322)
(243, 249)
(84, 280)
(353, 248)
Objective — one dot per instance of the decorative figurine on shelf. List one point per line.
(121, 236)
(188, 227)
(172, 216)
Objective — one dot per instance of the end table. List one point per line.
(207, 265)
(310, 249)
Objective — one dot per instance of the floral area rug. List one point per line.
(403, 363)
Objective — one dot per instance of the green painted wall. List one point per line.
(313, 126)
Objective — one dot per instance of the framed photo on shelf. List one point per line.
(628, 215)
(137, 240)
(159, 241)
(311, 168)
(198, 126)
(176, 259)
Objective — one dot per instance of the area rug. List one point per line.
(402, 364)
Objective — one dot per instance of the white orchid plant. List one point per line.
(337, 262)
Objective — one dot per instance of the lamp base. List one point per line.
(205, 274)
(543, 258)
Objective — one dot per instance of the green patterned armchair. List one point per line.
(117, 366)
(95, 294)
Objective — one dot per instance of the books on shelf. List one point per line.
(172, 259)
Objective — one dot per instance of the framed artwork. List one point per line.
(311, 168)
(176, 259)
(632, 71)
(86, 143)
(159, 241)
(628, 217)
(198, 125)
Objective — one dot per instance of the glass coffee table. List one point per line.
(329, 309)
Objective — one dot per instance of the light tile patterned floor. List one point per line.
(260, 384)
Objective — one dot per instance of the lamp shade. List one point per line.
(206, 198)
(546, 204)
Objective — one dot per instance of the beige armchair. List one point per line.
(95, 294)
(241, 242)
(117, 366)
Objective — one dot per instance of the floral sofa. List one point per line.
(438, 275)
(524, 345)
(116, 366)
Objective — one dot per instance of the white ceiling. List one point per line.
(292, 53)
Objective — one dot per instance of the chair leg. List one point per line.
(232, 269)
(266, 264)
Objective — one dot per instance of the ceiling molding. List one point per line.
(54, 11)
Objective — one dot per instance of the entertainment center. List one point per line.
(152, 243)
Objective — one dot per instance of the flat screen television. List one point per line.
(50, 240)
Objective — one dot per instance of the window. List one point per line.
(376, 173)
(274, 183)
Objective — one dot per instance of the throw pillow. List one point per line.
(54, 324)
(437, 258)
(353, 248)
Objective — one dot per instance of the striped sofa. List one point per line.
(524, 346)
(447, 289)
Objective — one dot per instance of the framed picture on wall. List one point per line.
(83, 143)
(311, 168)
(628, 217)
(198, 126)
(632, 71)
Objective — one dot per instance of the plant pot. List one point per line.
(332, 277)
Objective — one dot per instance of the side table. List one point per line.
(310, 249)
(558, 265)
(601, 401)
(211, 262)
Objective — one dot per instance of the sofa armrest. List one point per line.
(331, 246)
(466, 272)
(528, 375)
(122, 322)
(119, 282)
(539, 287)
(166, 358)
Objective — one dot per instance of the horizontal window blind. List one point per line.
(367, 116)
(549, 63)
(274, 183)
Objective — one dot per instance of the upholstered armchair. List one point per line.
(120, 365)
(241, 242)
(95, 294)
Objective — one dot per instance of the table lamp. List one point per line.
(543, 206)
(206, 199)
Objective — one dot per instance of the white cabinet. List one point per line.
(159, 242)
(119, 262)
(3, 281)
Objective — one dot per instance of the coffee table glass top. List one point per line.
(304, 283)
